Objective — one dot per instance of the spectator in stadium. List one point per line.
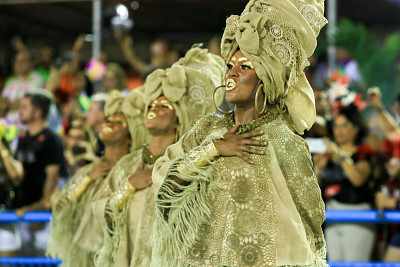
(41, 154)
(10, 171)
(344, 173)
(95, 118)
(25, 79)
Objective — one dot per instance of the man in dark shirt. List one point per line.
(41, 153)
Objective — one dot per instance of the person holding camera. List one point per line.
(344, 173)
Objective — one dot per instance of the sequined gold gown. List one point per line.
(235, 214)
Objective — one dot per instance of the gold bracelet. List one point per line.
(121, 196)
(199, 157)
(77, 190)
(4, 153)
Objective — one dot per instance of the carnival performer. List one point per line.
(239, 189)
(75, 235)
(175, 99)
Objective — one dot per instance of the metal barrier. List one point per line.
(353, 216)
(363, 216)
(350, 216)
(30, 216)
(363, 264)
(30, 261)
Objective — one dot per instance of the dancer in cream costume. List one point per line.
(239, 189)
(75, 234)
(175, 99)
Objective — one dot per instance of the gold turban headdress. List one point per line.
(133, 107)
(278, 37)
(188, 84)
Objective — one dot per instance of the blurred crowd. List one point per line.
(52, 111)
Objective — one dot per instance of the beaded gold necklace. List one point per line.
(252, 125)
(147, 157)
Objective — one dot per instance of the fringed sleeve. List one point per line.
(181, 209)
(114, 217)
(67, 213)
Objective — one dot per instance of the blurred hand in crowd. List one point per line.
(375, 97)
(17, 43)
(20, 212)
(320, 161)
(79, 43)
(384, 202)
(332, 149)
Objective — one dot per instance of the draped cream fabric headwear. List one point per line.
(133, 108)
(278, 37)
(188, 84)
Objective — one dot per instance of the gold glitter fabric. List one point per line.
(278, 37)
(232, 213)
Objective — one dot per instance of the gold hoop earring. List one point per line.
(256, 101)
(216, 106)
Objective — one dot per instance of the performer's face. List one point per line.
(160, 114)
(241, 80)
(115, 129)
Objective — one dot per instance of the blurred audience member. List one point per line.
(348, 64)
(78, 150)
(95, 119)
(323, 122)
(73, 107)
(24, 80)
(41, 154)
(10, 171)
(214, 45)
(43, 59)
(389, 198)
(64, 69)
(386, 122)
(114, 79)
(159, 54)
(344, 63)
(344, 172)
